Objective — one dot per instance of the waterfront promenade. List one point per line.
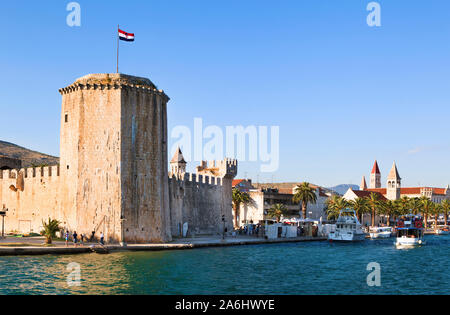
(35, 245)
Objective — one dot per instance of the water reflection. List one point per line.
(304, 268)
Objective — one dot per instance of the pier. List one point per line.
(34, 246)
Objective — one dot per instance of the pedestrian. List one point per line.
(67, 238)
(92, 236)
(82, 239)
(75, 238)
(102, 238)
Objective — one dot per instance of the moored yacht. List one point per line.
(348, 228)
(410, 231)
(380, 232)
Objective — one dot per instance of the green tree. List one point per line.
(50, 229)
(415, 205)
(305, 194)
(239, 198)
(361, 206)
(389, 208)
(374, 204)
(277, 211)
(436, 211)
(445, 209)
(427, 206)
(334, 205)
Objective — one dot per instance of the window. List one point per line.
(66, 118)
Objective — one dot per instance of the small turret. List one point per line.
(178, 163)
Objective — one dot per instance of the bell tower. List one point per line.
(393, 184)
(375, 176)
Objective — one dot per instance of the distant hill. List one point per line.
(28, 157)
(342, 189)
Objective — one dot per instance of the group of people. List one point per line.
(82, 238)
(252, 230)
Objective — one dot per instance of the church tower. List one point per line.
(375, 176)
(393, 184)
(178, 163)
(363, 184)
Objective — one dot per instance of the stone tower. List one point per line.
(393, 184)
(178, 163)
(375, 176)
(363, 184)
(114, 158)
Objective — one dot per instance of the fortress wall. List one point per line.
(200, 200)
(30, 195)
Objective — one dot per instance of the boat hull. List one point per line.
(338, 237)
(408, 242)
(380, 235)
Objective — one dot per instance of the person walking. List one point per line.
(82, 239)
(75, 238)
(102, 238)
(67, 238)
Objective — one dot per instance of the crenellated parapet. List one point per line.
(226, 168)
(31, 172)
(113, 81)
(192, 178)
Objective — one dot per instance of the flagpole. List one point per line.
(118, 28)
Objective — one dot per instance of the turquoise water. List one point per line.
(301, 268)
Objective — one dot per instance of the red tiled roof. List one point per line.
(410, 190)
(378, 190)
(376, 169)
(366, 194)
(237, 182)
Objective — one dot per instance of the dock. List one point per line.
(59, 248)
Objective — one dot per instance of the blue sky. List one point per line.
(343, 93)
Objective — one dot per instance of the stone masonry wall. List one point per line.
(200, 201)
(30, 195)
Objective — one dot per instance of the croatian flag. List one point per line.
(128, 37)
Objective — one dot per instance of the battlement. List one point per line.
(223, 168)
(189, 178)
(113, 81)
(32, 172)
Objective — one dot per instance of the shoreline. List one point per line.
(186, 245)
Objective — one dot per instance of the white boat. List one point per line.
(410, 231)
(348, 228)
(441, 232)
(381, 232)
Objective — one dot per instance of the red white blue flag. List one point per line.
(128, 37)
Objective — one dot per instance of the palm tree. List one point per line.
(390, 209)
(334, 205)
(361, 206)
(304, 194)
(374, 203)
(427, 205)
(415, 205)
(403, 204)
(50, 229)
(436, 211)
(277, 211)
(239, 198)
(445, 209)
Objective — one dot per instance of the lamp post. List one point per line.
(3, 215)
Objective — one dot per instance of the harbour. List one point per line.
(281, 268)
